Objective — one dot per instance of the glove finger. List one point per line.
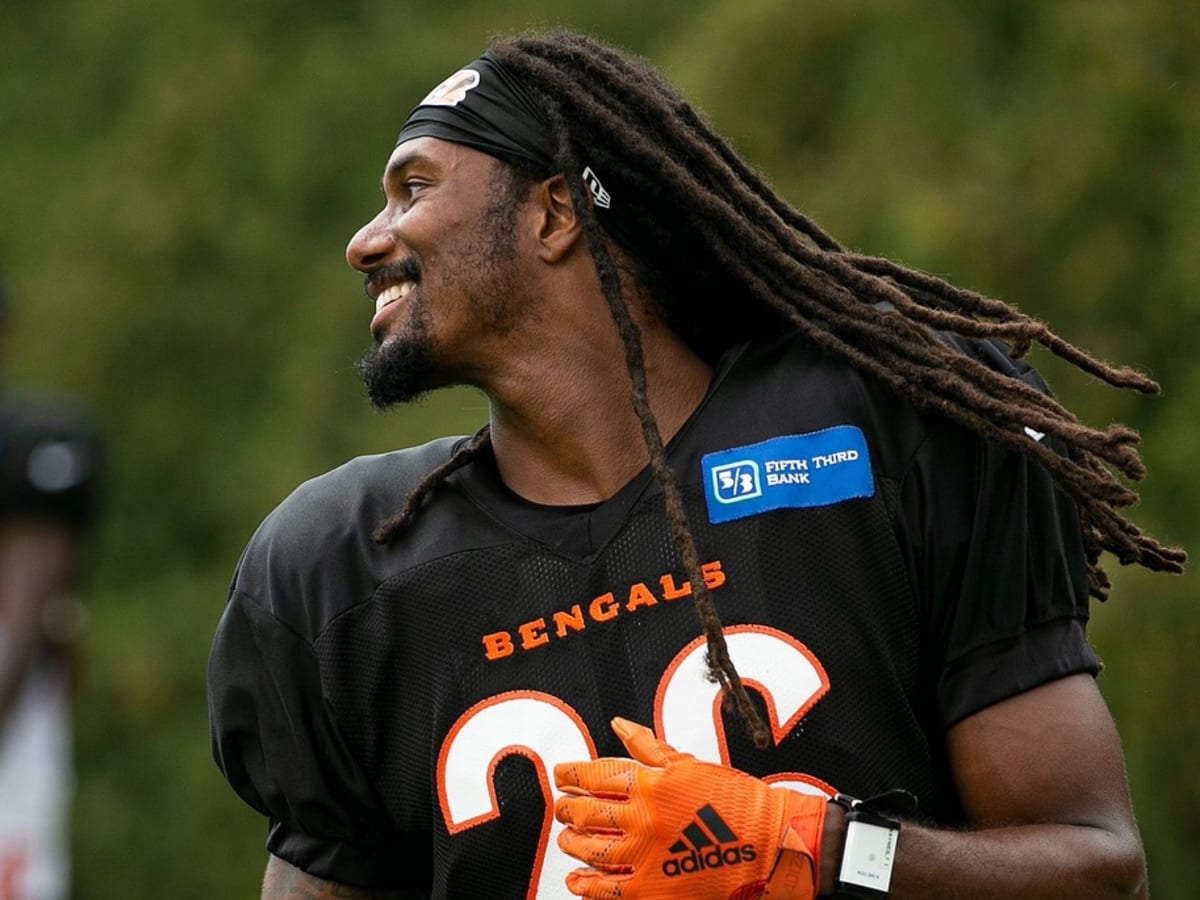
(643, 745)
(591, 814)
(601, 851)
(595, 885)
(611, 777)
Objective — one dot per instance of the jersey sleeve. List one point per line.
(999, 568)
(276, 742)
(275, 733)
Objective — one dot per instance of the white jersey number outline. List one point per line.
(547, 731)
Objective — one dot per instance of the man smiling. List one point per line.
(433, 675)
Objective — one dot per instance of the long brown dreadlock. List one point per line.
(711, 234)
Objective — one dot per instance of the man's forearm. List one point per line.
(1031, 861)
(16, 652)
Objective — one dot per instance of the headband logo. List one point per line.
(453, 90)
(599, 194)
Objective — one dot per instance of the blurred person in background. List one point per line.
(50, 454)
(883, 520)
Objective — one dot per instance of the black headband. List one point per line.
(485, 107)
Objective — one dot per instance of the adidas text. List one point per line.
(698, 861)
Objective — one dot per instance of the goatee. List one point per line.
(397, 371)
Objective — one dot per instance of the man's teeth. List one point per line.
(395, 292)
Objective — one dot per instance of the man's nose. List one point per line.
(371, 245)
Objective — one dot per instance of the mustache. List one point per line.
(403, 270)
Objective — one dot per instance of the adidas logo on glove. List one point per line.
(706, 843)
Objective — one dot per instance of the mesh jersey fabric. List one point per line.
(395, 711)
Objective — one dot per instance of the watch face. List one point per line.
(868, 856)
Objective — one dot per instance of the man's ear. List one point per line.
(558, 228)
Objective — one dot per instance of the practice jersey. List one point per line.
(397, 711)
(37, 786)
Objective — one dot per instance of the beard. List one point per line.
(401, 369)
(404, 366)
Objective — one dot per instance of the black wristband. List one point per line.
(869, 850)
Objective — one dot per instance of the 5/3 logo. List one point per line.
(736, 481)
(548, 731)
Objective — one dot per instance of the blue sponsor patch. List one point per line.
(792, 471)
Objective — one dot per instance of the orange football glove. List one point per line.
(664, 825)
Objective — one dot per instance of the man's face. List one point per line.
(442, 269)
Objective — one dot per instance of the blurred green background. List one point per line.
(178, 182)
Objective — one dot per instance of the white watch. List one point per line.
(869, 852)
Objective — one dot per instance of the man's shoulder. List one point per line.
(370, 484)
(794, 374)
(314, 553)
(790, 379)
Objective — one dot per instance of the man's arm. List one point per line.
(36, 569)
(1042, 781)
(282, 879)
(1040, 775)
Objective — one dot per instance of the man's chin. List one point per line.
(393, 375)
(382, 401)
(384, 393)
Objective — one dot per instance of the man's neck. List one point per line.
(574, 438)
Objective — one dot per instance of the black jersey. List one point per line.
(881, 574)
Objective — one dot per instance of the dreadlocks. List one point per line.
(710, 233)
